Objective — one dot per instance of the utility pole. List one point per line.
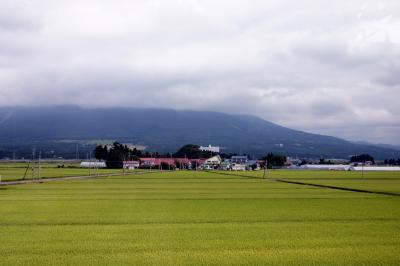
(33, 163)
(90, 162)
(77, 152)
(265, 168)
(362, 170)
(40, 165)
(195, 173)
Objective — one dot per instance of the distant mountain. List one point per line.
(58, 129)
(387, 146)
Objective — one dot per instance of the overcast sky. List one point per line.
(330, 67)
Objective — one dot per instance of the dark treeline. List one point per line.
(192, 151)
(274, 160)
(362, 158)
(115, 155)
(392, 161)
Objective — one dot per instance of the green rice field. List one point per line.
(27, 171)
(203, 218)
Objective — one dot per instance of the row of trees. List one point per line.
(114, 156)
(362, 158)
(392, 161)
(192, 151)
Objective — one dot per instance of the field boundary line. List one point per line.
(338, 188)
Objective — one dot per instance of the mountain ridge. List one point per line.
(165, 130)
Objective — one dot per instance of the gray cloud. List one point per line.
(319, 66)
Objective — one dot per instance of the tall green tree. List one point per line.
(274, 160)
(115, 156)
(192, 151)
(101, 152)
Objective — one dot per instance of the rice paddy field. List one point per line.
(204, 218)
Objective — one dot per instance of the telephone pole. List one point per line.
(265, 169)
(33, 163)
(77, 152)
(40, 164)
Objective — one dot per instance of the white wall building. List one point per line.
(344, 167)
(93, 164)
(131, 164)
(376, 168)
(215, 160)
(209, 148)
(238, 167)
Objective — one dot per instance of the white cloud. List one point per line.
(321, 66)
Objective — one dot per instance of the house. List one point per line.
(238, 167)
(131, 164)
(147, 162)
(196, 163)
(215, 160)
(212, 163)
(171, 162)
(156, 162)
(225, 165)
(239, 159)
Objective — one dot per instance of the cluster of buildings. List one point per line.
(213, 163)
(237, 163)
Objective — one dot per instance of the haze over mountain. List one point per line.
(165, 130)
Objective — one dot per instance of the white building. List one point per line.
(239, 159)
(131, 164)
(215, 160)
(344, 167)
(238, 167)
(376, 168)
(94, 164)
(209, 148)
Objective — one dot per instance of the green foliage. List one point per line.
(362, 158)
(392, 161)
(275, 161)
(253, 166)
(192, 151)
(115, 156)
(165, 166)
(323, 161)
(101, 152)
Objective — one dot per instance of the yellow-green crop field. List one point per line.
(204, 218)
(26, 171)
